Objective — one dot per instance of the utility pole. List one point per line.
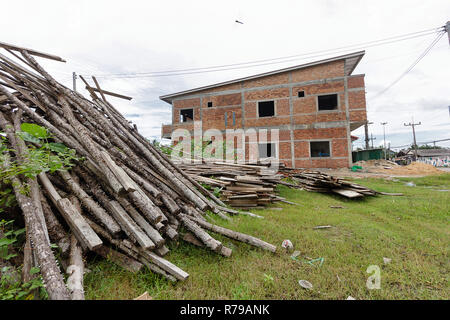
(372, 138)
(389, 150)
(366, 131)
(414, 136)
(384, 138)
(74, 78)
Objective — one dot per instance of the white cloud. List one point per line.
(106, 37)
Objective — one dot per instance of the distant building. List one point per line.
(435, 157)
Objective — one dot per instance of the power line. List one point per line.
(441, 140)
(436, 40)
(255, 63)
(407, 145)
(241, 66)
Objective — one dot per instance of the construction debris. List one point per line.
(287, 244)
(320, 182)
(246, 186)
(322, 227)
(144, 296)
(243, 186)
(123, 200)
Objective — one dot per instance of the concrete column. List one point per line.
(347, 116)
(291, 127)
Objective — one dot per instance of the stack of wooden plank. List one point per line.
(317, 181)
(123, 200)
(242, 186)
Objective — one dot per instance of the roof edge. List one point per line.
(169, 97)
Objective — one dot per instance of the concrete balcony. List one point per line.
(166, 131)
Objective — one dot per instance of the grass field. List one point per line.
(412, 230)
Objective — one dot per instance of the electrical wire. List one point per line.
(278, 60)
(427, 50)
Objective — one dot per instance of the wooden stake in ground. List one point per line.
(75, 270)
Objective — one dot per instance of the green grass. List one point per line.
(412, 230)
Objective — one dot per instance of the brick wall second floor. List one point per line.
(319, 94)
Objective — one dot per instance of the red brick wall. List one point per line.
(267, 94)
(356, 81)
(323, 71)
(223, 100)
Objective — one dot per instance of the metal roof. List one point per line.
(351, 61)
(433, 152)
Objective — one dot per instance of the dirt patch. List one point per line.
(381, 163)
(386, 170)
(415, 168)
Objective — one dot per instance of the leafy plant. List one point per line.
(10, 287)
(15, 290)
(164, 149)
(217, 191)
(41, 156)
(8, 239)
(268, 278)
(48, 156)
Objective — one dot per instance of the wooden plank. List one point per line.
(77, 224)
(89, 88)
(165, 265)
(347, 193)
(162, 251)
(75, 220)
(109, 93)
(120, 259)
(235, 235)
(23, 92)
(127, 183)
(129, 226)
(31, 51)
(113, 183)
(244, 196)
(98, 88)
(391, 194)
(189, 237)
(148, 229)
(240, 165)
(153, 267)
(201, 234)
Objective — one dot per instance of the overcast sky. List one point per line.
(106, 38)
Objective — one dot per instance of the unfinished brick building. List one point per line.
(315, 106)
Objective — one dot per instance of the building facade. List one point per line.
(314, 106)
(435, 157)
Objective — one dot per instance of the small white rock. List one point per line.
(287, 244)
(305, 284)
(387, 260)
(350, 298)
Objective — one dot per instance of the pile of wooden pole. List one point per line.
(124, 200)
(242, 186)
(317, 181)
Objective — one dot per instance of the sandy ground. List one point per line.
(384, 170)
